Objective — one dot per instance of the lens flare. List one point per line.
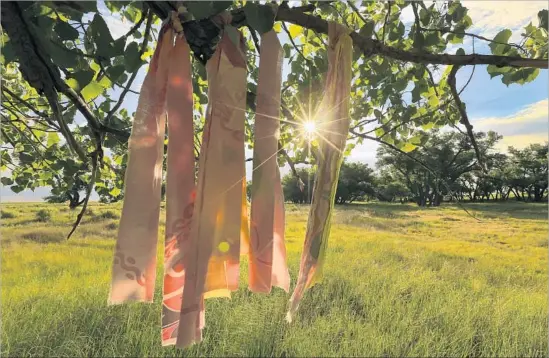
(309, 127)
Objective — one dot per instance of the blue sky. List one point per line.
(519, 113)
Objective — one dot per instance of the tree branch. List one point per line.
(371, 47)
(95, 159)
(463, 112)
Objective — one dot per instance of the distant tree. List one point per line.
(356, 182)
(391, 189)
(449, 156)
(528, 173)
(293, 191)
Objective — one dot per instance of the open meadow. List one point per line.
(399, 281)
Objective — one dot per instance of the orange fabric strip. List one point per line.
(180, 186)
(214, 248)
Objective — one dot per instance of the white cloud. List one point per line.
(535, 112)
(520, 141)
(490, 17)
(526, 126)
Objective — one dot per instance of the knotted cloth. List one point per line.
(166, 90)
(333, 127)
(267, 257)
(207, 222)
(212, 264)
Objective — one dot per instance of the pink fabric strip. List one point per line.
(267, 258)
(134, 267)
(180, 186)
(214, 248)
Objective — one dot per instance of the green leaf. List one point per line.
(62, 56)
(432, 38)
(115, 72)
(132, 61)
(295, 30)
(6, 181)
(433, 101)
(428, 126)
(204, 9)
(8, 55)
(424, 17)
(92, 91)
(419, 41)
(460, 52)
(17, 189)
(53, 138)
(520, 76)
(115, 6)
(502, 37)
(115, 191)
(83, 78)
(118, 47)
(132, 14)
(102, 37)
(466, 22)
(542, 18)
(408, 147)
(259, 17)
(66, 31)
(494, 71)
(368, 29)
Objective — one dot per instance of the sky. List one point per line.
(518, 112)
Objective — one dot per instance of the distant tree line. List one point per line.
(445, 168)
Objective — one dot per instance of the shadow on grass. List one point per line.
(511, 209)
(341, 294)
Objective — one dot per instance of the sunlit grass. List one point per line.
(399, 281)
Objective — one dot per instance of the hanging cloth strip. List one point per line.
(212, 264)
(333, 117)
(134, 267)
(180, 187)
(267, 258)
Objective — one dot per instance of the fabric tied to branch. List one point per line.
(267, 257)
(134, 267)
(333, 125)
(218, 225)
(180, 188)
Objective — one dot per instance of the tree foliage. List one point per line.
(66, 78)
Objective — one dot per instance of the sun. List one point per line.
(309, 127)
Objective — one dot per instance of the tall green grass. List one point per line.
(399, 281)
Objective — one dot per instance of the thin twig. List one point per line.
(254, 37)
(385, 22)
(293, 43)
(134, 75)
(95, 159)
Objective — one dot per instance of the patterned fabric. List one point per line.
(207, 222)
(333, 128)
(134, 267)
(267, 258)
(216, 230)
(180, 186)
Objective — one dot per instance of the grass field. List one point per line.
(399, 281)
